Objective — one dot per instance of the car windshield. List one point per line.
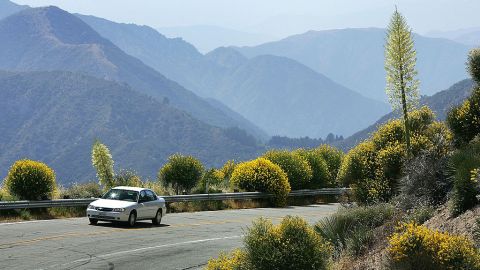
(121, 195)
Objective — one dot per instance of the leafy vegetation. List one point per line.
(374, 167)
(333, 157)
(292, 244)
(262, 175)
(283, 142)
(181, 172)
(85, 190)
(30, 180)
(464, 165)
(294, 165)
(350, 228)
(320, 173)
(417, 247)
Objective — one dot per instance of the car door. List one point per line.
(151, 204)
(142, 209)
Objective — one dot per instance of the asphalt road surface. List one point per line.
(183, 241)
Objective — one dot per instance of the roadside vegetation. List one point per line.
(415, 185)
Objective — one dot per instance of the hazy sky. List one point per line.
(278, 17)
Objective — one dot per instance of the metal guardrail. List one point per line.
(9, 205)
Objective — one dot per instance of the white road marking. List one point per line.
(143, 249)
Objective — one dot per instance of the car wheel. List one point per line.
(132, 219)
(93, 221)
(158, 218)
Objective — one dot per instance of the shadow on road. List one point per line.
(138, 225)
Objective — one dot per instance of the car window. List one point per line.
(143, 196)
(151, 196)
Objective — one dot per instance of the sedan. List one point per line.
(127, 204)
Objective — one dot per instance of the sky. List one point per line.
(277, 17)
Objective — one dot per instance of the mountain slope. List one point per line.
(355, 58)
(55, 117)
(8, 8)
(287, 98)
(52, 39)
(223, 74)
(440, 103)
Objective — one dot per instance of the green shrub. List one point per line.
(293, 244)
(212, 178)
(419, 215)
(464, 120)
(86, 190)
(127, 178)
(227, 170)
(30, 180)
(473, 64)
(417, 247)
(181, 172)
(320, 174)
(358, 164)
(264, 176)
(333, 157)
(462, 163)
(297, 169)
(374, 167)
(350, 228)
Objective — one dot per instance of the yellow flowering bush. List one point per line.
(234, 261)
(417, 247)
(262, 175)
(30, 180)
(296, 167)
(333, 157)
(374, 167)
(293, 244)
(464, 120)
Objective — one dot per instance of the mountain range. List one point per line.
(56, 116)
(355, 58)
(467, 36)
(255, 88)
(47, 39)
(208, 37)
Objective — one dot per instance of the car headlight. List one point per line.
(90, 206)
(118, 209)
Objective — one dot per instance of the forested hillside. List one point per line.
(55, 117)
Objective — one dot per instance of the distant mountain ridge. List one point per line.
(51, 39)
(355, 58)
(56, 116)
(226, 75)
(440, 103)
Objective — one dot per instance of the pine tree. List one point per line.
(400, 60)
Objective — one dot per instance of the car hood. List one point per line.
(112, 203)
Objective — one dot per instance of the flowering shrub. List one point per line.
(296, 167)
(30, 180)
(333, 157)
(417, 247)
(262, 175)
(320, 174)
(293, 244)
(373, 168)
(234, 261)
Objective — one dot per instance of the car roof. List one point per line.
(131, 188)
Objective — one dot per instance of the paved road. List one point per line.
(183, 241)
